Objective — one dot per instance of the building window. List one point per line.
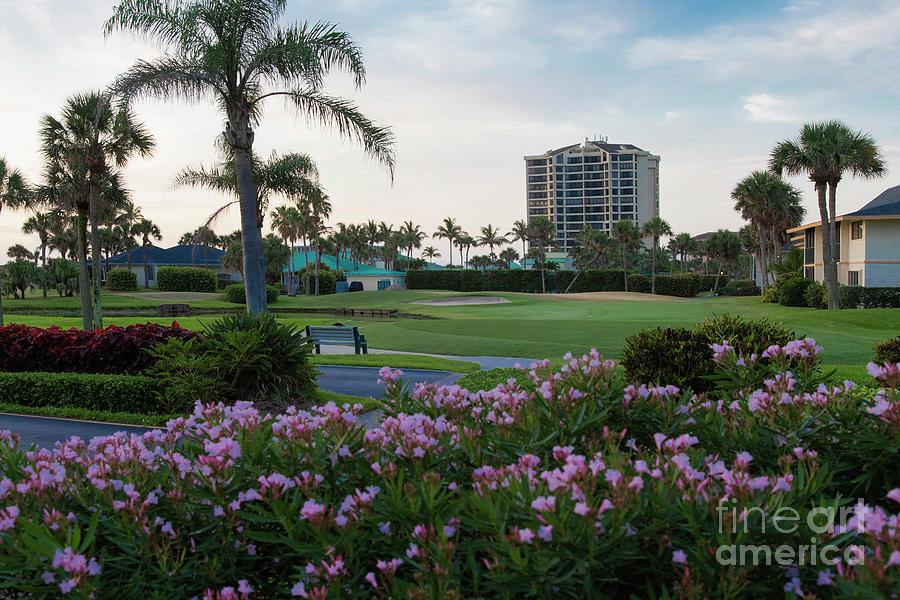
(810, 273)
(852, 277)
(809, 247)
(149, 273)
(856, 230)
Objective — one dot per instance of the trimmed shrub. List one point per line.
(186, 279)
(327, 280)
(121, 280)
(888, 351)
(638, 282)
(683, 357)
(793, 292)
(119, 350)
(673, 355)
(816, 295)
(850, 296)
(119, 393)
(740, 287)
(235, 293)
(881, 297)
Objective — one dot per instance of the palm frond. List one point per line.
(167, 78)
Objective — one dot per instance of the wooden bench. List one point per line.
(173, 310)
(337, 336)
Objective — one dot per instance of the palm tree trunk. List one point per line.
(254, 278)
(827, 258)
(316, 254)
(43, 273)
(95, 248)
(144, 253)
(543, 284)
(451, 252)
(306, 268)
(129, 249)
(625, 265)
(206, 255)
(84, 284)
(832, 225)
(762, 256)
(524, 252)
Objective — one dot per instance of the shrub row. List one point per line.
(529, 281)
(235, 293)
(682, 357)
(118, 393)
(739, 287)
(186, 279)
(121, 280)
(856, 296)
(118, 350)
(327, 280)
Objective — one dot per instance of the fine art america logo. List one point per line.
(818, 526)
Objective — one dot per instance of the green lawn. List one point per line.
(549, 326)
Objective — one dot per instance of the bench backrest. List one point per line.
(332, 334)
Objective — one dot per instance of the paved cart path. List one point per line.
(353, 381)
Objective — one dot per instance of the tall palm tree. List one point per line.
(370, 228)
(628, 235)
(592, 247)
(465, 242)
(93, 132)
(508, 256)
(41, 223)
(146, 229)
(655, 227)
(824, 151)
(431, 253)
(319, 205)
(412, 238)
(236, 53)
(125, 223)
(519, 231)
(726, 247)
(448, 230)
(15, 193)
(490, 237)
(541, 234)
(681, 244)
(341, 240)
(287, 221)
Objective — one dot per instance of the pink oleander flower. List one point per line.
(679, 557)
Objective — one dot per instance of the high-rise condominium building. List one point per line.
(594, 183)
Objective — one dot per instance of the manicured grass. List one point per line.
(548, 326)
(368, 404)
(397, 361)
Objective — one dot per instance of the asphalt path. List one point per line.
(352, 381)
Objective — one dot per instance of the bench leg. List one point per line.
(318, 349)
(365, 349)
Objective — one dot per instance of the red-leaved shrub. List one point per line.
(120, 350)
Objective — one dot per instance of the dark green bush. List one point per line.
(740, 287)
(793, 292)
(816, 295)
(185, 279)
(638, 282)
(235, 293)
(189, 373)
(118, 393)
(881, 297)
(674, 355)
(121, 280)
(850, 296)
(683, 357)
(684, 285)
(327, 280)
(258, 357)
(888, 351)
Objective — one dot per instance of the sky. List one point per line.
(469, 87)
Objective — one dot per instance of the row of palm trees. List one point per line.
(824, 151)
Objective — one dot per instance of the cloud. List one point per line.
(764, 108)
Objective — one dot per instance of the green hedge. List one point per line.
(856, 296)
(185, 279)
(327, 280)
(740, 287)
(119, 393)
(793, 292)
(473, 280)
(121, 280)
(235, 293)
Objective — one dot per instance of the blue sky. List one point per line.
(470, 86)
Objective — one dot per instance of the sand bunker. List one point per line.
(462, 300)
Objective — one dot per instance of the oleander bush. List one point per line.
(186, 279)
(888, 350)
(117, 393)
(116, 350)
(235, 293)
(683, 356)
(121, 280)
(582, 488)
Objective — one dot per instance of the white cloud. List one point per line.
(766, 109)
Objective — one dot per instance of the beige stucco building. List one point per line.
(594, 183)
(868, 240)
